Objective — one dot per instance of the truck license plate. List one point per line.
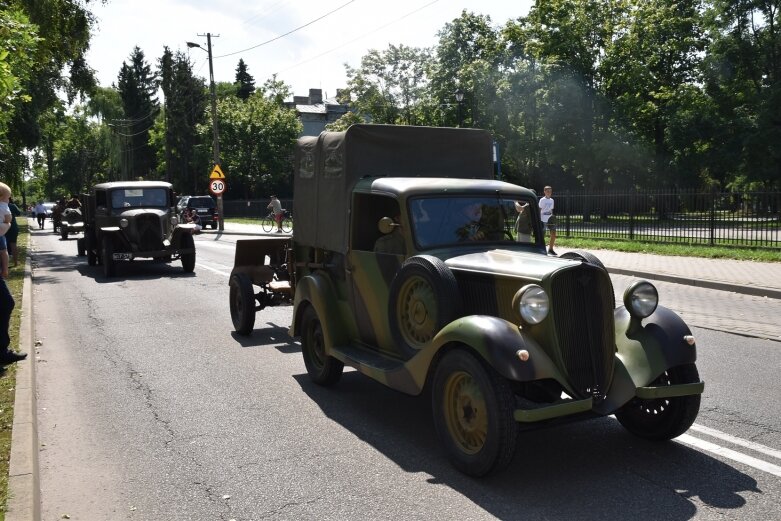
(122, 256)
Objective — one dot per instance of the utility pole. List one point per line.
(215, 130)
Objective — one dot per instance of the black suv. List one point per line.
(203, 204)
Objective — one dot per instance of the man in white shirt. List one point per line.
(548, 219)
(40, 214)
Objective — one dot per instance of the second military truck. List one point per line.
(405, 265)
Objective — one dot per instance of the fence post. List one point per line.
(566, 214)
(712, 217)
(632, 203)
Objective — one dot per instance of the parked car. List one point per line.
(203, 204)
(419, 281)
(129, 220)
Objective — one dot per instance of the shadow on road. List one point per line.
(587, 470)
(142, 269)
(269, 334)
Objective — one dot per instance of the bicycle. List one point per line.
(268, 223)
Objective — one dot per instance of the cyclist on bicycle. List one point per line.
(279, 213)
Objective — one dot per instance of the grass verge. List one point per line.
(8, 374)
(677, 250)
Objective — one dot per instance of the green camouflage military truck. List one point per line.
(404, 265)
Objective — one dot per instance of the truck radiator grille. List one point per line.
(582, 304)
(150, 232)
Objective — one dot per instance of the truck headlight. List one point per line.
(123, 223)
(174, 221)
(532, 303)
(641, 299)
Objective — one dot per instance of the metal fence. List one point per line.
(252, 209)
(739, 219)
(731, 219)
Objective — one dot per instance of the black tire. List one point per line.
(109, 267)
(188, 259)
(323, 369)
(241, 301)
(287, 224)
(473, 414)
(584, 256)
(63, 233)
(423, 298)
(92, 259)
(663, 418)
(267, 224)
(80, 249)
(214, 225)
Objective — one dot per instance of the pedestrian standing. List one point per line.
(6, 299)
(548, 219)
(13, 232)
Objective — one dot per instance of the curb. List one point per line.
(24, 497)
(743, 289)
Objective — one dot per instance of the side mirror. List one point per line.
(386, 225)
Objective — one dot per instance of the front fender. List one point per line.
(497, 341)
(646, 350)
(180, 231)
(317, 290)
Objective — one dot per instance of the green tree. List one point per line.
(743, 77)
(137, 86)
(653, 63)
(257, 137)
(390, 86)
(245, 83)
(467, 59)
(185, 108)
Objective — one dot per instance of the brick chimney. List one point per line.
(315, 96)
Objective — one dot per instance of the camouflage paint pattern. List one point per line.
(353, 308)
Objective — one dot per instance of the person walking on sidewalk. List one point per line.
(548, 219)
(276, 207)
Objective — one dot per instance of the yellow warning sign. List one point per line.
(217, 173)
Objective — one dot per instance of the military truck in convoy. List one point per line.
(404, 264)
(129, 220)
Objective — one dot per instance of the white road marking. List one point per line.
(216, 245)
(214, 270)
(730, 454)
(756, 447)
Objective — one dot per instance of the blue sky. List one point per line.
(312, 57)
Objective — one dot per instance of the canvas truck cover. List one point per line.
(327, 168)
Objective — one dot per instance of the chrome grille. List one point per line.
(582, 304)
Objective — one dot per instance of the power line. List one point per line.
(287, 33)
(376, 29)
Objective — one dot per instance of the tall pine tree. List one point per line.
(245, 83)
(137, 87)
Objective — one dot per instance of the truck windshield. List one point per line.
(139, 198)
(440, 221)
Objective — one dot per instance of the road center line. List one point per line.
(214, 270)
(724, 452)
(737, 441)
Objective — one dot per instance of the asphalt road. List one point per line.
(149, 408)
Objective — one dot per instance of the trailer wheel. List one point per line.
(242, 304)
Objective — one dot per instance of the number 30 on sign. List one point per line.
(216, 186)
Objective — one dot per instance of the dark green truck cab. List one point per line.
(404, 265)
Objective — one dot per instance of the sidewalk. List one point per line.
(761, 279)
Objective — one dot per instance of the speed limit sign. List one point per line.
(217, 186)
